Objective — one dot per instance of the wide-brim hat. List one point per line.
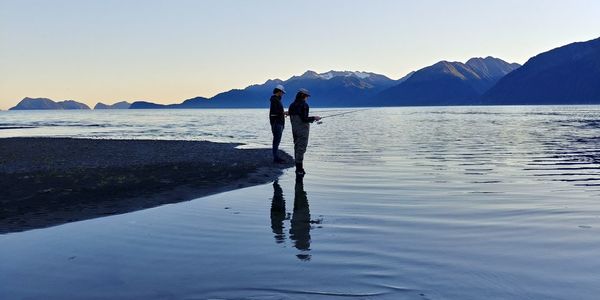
(304, 91)
(281, 88)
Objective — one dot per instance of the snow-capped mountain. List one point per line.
(330, 89)
(331, 74)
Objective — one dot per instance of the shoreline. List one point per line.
(52, 181)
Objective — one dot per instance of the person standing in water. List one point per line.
(277, 120)
(298, 112)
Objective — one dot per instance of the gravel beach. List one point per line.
(51, 181)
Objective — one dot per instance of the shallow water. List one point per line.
(399, 203)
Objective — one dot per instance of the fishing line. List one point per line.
(341, 114)
(329, 111)
(344, 113)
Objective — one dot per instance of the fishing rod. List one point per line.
(330, 111)
(345, 113)
(341, 114)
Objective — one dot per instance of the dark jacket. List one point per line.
(276, 115)
(300, 108)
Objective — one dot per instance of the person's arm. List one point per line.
(304, 115)
(315, 118)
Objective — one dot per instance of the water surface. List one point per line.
(399, 203)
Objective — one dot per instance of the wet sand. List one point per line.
(51, 181)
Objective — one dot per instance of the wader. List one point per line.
(300, 132)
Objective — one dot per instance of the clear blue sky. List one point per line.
(167, 51)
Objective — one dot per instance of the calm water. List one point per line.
(403, 203)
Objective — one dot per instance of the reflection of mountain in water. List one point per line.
(301, 224)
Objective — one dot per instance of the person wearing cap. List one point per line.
(298, 112)
(277, 120)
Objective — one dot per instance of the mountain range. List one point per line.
(566, 75)
(334, 89)
(47, 104)
(444, 83)
(447, 83)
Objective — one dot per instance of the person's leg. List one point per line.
(302, 144)
(296, 124)
(298, 154)
(277, 130)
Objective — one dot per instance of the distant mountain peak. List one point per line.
(273, 81)
(333, 74)
(456, 69)
(491, 67)
(487, 58)
(447, 82)
(118, 105)
(309, 73)
(44, 103)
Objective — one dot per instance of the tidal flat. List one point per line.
(50, 181)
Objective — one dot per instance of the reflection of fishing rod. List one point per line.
(341, 114)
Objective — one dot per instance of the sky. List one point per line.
(168, 51)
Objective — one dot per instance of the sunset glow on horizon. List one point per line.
(169, 51)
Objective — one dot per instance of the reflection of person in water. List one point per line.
(300, 229)
(278, 213)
